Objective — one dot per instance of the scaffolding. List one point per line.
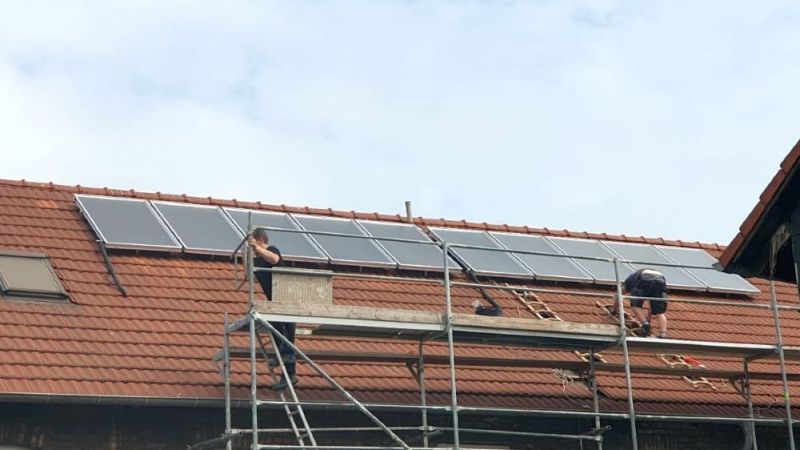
(423, 327)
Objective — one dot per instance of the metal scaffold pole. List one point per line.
(252, 323)
(450, 349)
(776, 318)
(749, 395)
(623, 339)
(595, 401)
(226, 374)
(787, 401)
(422, 392)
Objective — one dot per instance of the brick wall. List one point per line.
(63, 427)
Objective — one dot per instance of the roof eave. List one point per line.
(748, 253)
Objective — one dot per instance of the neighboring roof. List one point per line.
(157, 343)
(748, 251)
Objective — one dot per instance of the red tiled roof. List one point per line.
(158, 341)
(764, 201)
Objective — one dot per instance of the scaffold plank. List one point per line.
(407, 324)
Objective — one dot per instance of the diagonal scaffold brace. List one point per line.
(360, 406)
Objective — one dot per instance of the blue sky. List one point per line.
(643, 118)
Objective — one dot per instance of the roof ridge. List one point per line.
(427, 221)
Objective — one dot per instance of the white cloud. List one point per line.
(658, 118)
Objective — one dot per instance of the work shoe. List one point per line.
(662, 335)
(644, 330)
(283, 384)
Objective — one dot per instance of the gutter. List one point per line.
(205, 402)
(102, 400)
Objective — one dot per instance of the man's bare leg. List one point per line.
(642, 318)
(639, 314)
(661, 323)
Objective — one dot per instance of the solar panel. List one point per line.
(601, 271)
(716, 280)
(408, 254)
(200, 229)
(126, 223)
(293, 246)
(482, 262)
(542, 266)
(688, 256)
(343, 249)
(646, 256)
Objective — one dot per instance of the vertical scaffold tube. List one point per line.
(623, 338)
(595, 401)
(253, 383)
(226, 375)
(450, 349)
(787, 401)
(252, 322)
(423, 393)
(748, 393)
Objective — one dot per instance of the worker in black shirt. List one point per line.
(649, 283)
(268, 256)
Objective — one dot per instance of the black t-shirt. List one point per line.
(646, 283)
(265, 278)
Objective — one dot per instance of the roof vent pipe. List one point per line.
(409, 218)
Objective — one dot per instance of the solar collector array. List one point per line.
(158, 225)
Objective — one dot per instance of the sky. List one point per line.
(662, 119)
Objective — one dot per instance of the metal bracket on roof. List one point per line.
(412, 368)
(698, 382)
(586, 356)
(110, 268)
(689, 362)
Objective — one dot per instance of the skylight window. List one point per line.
(28, 274)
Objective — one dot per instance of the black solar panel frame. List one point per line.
(558, 255)
(636, 264)
(322, 256)
(192, 249)
(424, 241)
(84, 209)
(459, 254)
(586, 264)
(317, 237)
(699, 273)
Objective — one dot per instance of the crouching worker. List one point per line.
(649, 283)
(268, 256)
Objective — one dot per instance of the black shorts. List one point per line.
(658, 306)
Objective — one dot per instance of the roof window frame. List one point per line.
(7, 290)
